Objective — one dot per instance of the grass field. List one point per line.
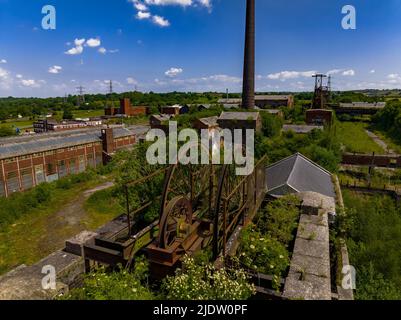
(44, 230)
(392, 144)
(21, 124)
(355, 139)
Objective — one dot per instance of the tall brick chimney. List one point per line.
(248, 89)
(108, 140)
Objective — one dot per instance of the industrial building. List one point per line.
(297, 174)
(126, 109)
(240, 120)
(209, 123)
(175, 110)
(263, 101)
(319, 117)
(26, 161)
(160, 121)
(300, 129)
(49, 125)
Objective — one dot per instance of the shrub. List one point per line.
(264, 254)
(279, 219)
(199, 282)
(118, 285)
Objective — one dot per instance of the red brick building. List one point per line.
(319, 117)
(175, 110)
(26, 162)
(127, 109)
(47, 125)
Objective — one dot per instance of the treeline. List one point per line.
(389, 119)
(30, 107)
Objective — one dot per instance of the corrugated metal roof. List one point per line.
(301, 128)
(300, 174)
(239, 116)
(210, 121)
(43, 143)
(273, 97)
(376, 105)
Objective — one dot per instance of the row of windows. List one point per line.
(53, 172)
(49, 153)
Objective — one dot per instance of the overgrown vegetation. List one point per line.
(373, 229)
(388, 120)
(320, 146)
(204, 282)
(265, 245)
(20, 204)
(121, 284)
(355, 139)
(133, 165)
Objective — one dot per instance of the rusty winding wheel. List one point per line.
(175, 221)
(186, 192)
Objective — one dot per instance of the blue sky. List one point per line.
(194, 45)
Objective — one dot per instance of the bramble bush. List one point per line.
(263, 254)
(279, 219)
(118, 285)
(204, 282)
(264, 245)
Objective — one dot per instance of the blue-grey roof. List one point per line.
(41, 143)
(299, 174)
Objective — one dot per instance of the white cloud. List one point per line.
(143, 11)
(183, 3)
(75, 51)
(160, 21)
(173, 72)
(19, 76)
(31, 83)
(93, 43)
(285, 75)
(372, 71)
(79, 42)
(349, 73)
(102, 50)
(3, 61)
(334, 71)
(114, 51)
(393, 76)
(139, 5)
(143, 15)
(55, 69)
(5, 79)
(132, 81)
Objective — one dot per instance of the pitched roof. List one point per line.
(43, 143)
(210, 121)
(376, 105)
(162, 117)
(272, 97)
(300, 174)
(239, 116)
(301, 128)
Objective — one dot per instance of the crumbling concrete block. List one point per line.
(74, 245)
